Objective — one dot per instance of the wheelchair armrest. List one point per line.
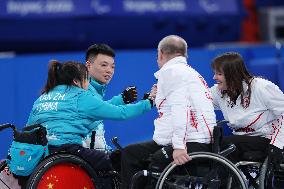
(228, 150)
(114, 140)
(32, 127)
(93, 140)
(217, 138)
(7, 125)
(221, 122)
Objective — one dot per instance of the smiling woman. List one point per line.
(230, 73)
(220, 80)
(253, 106)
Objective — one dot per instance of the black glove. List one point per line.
(129, 94)
(147, 96)
(275, 156)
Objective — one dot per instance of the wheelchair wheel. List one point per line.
(7, 179)
(205, 170)
(3, 164)
(62, 171)
(272, 179)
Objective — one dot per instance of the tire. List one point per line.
(7, 179)
(206, 173)
(262, 175)
(271, 178)
(3, 164)
(74, 171)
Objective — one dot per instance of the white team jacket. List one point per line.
(264, 115)
(184, 103)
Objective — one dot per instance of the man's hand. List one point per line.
(151, 95)
(153, 92)
(129, 95)
(180, 156)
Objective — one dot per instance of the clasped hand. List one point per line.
(129, 95)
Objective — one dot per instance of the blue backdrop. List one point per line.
(125, 24)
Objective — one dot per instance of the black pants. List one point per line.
(99, 160)
(146, 155)
(245, 144)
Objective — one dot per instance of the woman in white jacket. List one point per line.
(253, 106)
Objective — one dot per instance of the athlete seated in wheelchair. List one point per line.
(31, 163)
(185, 118)
(254, 108)
(204, 170)
(214, 170)
(61, 165)
(67, 110)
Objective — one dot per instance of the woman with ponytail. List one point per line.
(67, 109)
(71, 73)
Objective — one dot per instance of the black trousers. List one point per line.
(245, 144)
(147, 155)
(99, 160)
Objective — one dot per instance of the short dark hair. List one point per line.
(96, 49)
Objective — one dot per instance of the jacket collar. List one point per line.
(245, 85)
(173, 61)
(100, 88)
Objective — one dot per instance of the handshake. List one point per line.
(129, 95)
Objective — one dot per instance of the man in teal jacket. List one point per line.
(100, 64)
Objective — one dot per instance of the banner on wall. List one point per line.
(17, 9)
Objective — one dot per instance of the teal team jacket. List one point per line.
(68, 113)
(98, 90)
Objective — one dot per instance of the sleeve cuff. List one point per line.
(179, 146)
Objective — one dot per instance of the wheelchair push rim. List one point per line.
(205, 155)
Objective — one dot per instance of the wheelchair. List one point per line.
(206, 170)
(59, 170)
(254, 166)
(251, 174)
(273, 178)
(214, 170)
(63, 170)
